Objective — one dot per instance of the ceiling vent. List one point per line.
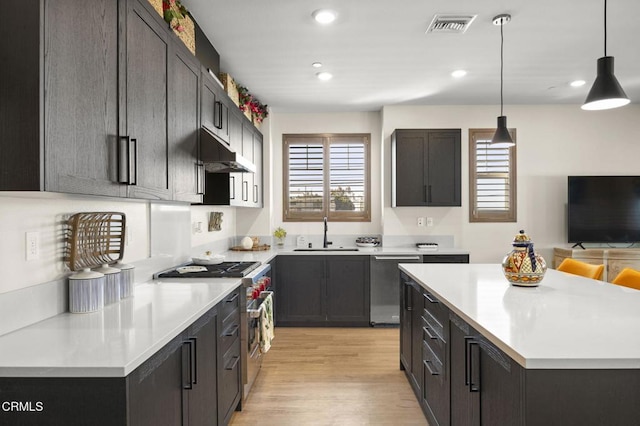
(453, 24)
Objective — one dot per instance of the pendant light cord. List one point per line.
(502, 61)
(605, 27)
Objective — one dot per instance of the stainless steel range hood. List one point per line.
(218, 157)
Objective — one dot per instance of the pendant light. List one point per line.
(606, 92)
(502, 138)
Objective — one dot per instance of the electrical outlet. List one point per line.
(421, 221)
(429, 221)
(197, 227)
(32, 246)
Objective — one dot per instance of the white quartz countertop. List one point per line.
(567, 322)
(114, 341)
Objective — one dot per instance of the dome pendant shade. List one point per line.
(606, 92)
(502, 138)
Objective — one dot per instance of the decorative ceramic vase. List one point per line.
(523, 267)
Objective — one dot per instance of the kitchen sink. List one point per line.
(327, 249)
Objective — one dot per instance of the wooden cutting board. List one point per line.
(262, 247)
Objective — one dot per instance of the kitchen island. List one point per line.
(480, 351)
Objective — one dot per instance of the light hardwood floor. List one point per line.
(331, 376)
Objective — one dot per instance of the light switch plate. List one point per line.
(32, 245)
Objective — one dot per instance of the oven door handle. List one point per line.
(255, 313)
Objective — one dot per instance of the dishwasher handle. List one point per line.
(397, 258)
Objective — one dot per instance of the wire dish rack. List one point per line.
(94, 239)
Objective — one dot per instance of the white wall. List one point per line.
(45, 213)
(553, 142)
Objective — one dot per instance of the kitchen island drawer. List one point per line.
(229, 304)
(436, 309)
(433, 339)
(230, 331)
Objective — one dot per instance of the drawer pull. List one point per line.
(233, 330)
(232, 299)
(430, 298)
(233, 364)
(428, 333)
(427, 365)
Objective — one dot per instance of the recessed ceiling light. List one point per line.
(324, 16)
(317, 64)
(324, 76)
(577, 83)
(458, 73)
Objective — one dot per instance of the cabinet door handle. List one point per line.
(133, 163)
(472, 347)
(233, 187)
(232, 298)
(194, 359)
(218, 114)
(407, 296)
(467, 357)
(123, 159)
(427, 365)
(429, 194)
(233, 364)
(245, 190)
(428, 333)
(233, 330)
(189, 362)
(255, 193)
(430, 298)
(200, 178)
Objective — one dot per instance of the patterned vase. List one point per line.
(523, 267)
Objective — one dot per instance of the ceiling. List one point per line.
(379, 54)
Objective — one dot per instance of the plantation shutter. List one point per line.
(492, 179)
(326, 175)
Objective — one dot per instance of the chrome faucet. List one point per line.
(325, 243)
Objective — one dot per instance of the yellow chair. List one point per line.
(577, 267)
(628, 278)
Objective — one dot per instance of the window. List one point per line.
(492, 178)
(326, 175)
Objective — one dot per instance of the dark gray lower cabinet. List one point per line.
(486, 384)
(320, 291)
(229, 370)
(194, 380)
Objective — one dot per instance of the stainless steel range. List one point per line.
(256, 279)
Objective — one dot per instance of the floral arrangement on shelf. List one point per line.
(174, 10)
(251, 104)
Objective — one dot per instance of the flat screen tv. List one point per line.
(604, 209)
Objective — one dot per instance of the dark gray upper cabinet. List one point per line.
(67, 140)
(188, 171)
(146, 104)
(215, 107)
(425, 167)
(111, 108)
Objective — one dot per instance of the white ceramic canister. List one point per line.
(111, 283)
(126, 279)
(86, 291)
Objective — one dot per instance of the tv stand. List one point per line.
(578, 245)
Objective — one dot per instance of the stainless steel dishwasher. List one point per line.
(385, 290)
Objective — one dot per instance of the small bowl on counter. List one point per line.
(208, 259)
(369, 242)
